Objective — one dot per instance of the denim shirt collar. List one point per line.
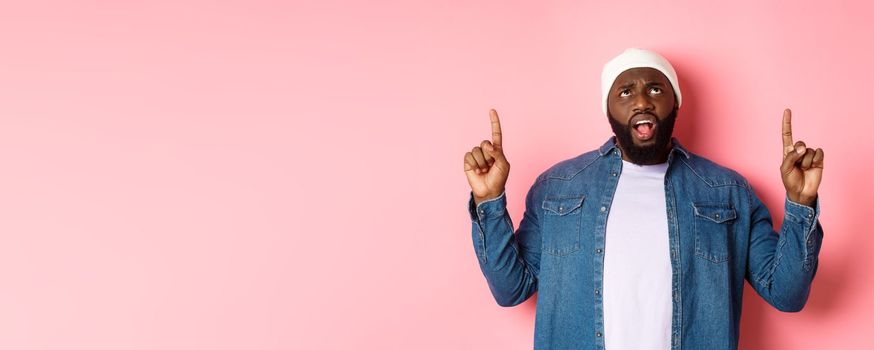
(608, 146)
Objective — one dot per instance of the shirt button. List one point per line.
(598, 334)
(717, 216)
(810, 241)
(597, 292)
(603, 209)
(614, 173)
(598, 250)
(560, 209)
(809, 215)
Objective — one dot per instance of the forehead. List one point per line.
(641, 74)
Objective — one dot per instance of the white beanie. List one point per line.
(636, 58)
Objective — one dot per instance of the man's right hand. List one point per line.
(486, 166)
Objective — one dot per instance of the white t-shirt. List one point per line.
(637, 265)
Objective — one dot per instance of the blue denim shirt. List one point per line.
(720, 233)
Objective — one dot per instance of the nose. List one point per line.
(642, 103)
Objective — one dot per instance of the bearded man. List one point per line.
(642, 244)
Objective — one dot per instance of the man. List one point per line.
(642, 244)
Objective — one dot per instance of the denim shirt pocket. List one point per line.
(561, 224)
(712, 225)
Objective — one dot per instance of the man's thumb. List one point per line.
(790, 160)
(495, 151)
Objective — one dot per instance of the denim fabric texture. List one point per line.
(720, 234)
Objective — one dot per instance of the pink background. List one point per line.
(274, 175)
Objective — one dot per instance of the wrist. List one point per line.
(479, 199)
(801, 199)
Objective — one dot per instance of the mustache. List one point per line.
(644, 154)
(639, 113)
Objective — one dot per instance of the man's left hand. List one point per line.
(802, 166)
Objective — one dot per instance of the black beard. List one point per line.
(651, 154)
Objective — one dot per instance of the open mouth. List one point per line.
(644, 127)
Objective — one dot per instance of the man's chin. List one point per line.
(643, 143)
(638, 143)
(645, 151)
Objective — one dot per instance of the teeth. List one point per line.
(642, 122)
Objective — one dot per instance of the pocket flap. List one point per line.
(562, 205)
(716, 212)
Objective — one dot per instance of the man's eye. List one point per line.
(624, 93)
(656, 90)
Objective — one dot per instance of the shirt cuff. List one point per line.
(488, 208)
(805, 215)
(801, 211)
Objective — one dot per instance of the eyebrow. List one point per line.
(647, 83)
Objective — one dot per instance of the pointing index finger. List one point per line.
(496, 127)
(788, 145)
